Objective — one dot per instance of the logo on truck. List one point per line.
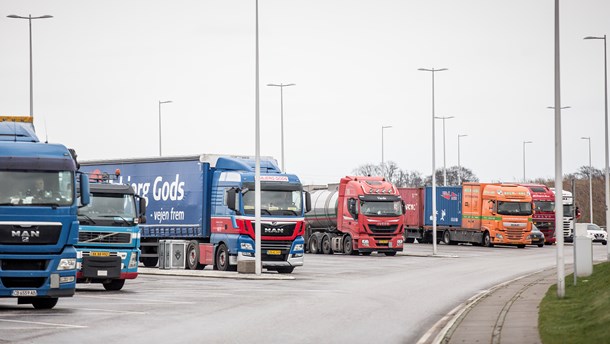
(25, 235)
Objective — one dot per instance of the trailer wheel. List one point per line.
(150, 262)
(326, 249)
(314, 244)
(447, 238)
(222, 258)
(114, 285)
(390, 254)
(487, 240)
(348, 246)
(192, 256)
(44, 303)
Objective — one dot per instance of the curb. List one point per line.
(213, 274)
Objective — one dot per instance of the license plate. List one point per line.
(99, 254)
(25, 293)
(384, 241)
(274, 252)
(102, 273)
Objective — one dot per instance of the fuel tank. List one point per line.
(324, 209)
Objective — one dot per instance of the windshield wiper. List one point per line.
(88, 218)
(119, 216)
(292, 212)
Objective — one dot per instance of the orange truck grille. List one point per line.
(514, 234)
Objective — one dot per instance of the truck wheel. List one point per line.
(366, 253)
(192, 256)
(314, 244)
(409, 240)
(114, 285)
(348, 246)
(447, 238)
(487, 240)
(326, 249)
(222, 258)
(284, 269)
(44, 303)
(390, 254)
(150, 262)
(521, 246)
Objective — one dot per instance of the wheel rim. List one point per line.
(192, 256)
(446, 237)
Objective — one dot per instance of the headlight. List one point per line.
(246, 246)
(67, 264)
(298, 247)
(499, 236)
(365, 242)
(529, 236)
(399, 242)
(66, 279)
(133, 260)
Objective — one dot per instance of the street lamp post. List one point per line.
(444, 155)
(29, 18)
(606, 168)
(160, 103)
(524, 143)
(590, 182)
(382, 157)
(281, 86)
(459, 174)
(432, 71)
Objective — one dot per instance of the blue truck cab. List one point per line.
(108, 248)
(38, 222)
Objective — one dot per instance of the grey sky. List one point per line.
(100, 68)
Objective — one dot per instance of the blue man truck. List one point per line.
(108, 248)
(38, 221)
(208, 200)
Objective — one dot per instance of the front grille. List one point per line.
(383, 229)
(29, 235)
(104, 237)
(107, 267)
(24, 264)
(514, 234)
(23, 282)
(283, 246)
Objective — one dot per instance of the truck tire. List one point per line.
(192, 256)
(487, 240)
(222, 258)
(348, 246)
(521, 246)
(314, 244)
(150, 262)
(326, 248)
(285, 269)
(447, 238)
(390, 254)
(114, 285)
(44, 303)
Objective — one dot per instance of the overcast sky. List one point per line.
(100, 68)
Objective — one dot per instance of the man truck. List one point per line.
(38, 221)
(108, 248)
(476, 213)
(208, 201)
(544, 210)
(360, 215)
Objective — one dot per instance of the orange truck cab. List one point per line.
(500, 214)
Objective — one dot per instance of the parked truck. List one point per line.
(359, 215)
(544, 210)
(38, 221)
(568, 215)
(476, 213)
(108, 248)
(208, 200)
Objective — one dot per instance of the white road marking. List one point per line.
(42, 323)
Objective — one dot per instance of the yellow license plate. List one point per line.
(384, 241)
(274, 252)
(99, 254)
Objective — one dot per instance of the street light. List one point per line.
(444, 156)
(382, 158)
(432, 71)
(524, 143)
(590, 182)
(29, 18)
(459, 174)
(606, 168)
(161, 102)
(281, 86)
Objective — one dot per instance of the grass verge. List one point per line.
(583, 316)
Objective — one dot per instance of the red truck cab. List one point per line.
(544, 210)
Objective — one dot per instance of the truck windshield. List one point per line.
(544, 206)
(46, 188)
(568, 210)
(514, 208)
(107, 207)
(380, 208)
(275, 202)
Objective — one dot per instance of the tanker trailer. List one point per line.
(359, 215)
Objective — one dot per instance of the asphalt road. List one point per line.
(333, 299)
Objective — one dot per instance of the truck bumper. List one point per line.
(293, 260)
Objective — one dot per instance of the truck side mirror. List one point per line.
(85, 196)
(307, 202)
(232, 199)
(142, 206)
(351, 207)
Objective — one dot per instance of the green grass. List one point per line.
(583, 315)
